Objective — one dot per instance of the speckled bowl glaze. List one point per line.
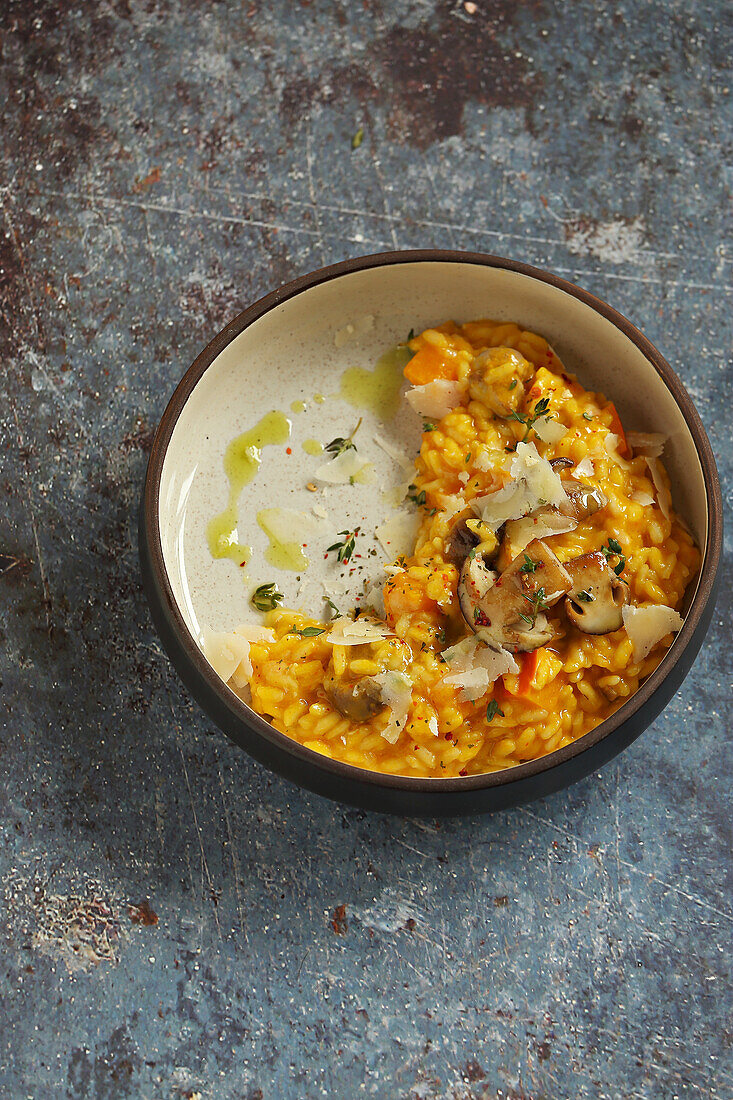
(289, 346)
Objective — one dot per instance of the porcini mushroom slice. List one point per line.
(518, 533)
(358, 700)
(597, 596)
(583, 499)
(561, 463)
(461, 540)
(509, 609)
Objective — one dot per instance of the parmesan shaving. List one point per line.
(474, 666)
(584, 468)
(663, 495)
(395, 453)
(226, 652)
(345, 632)
(610, 445)
(435, 399)
(645, 499)
(520, 532)
(646, 626)
(396, 693)
(374, 597)
(398, 533)
(646, 443)
(534, 485)
(349, 464)
(549, 430)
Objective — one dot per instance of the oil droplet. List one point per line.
(297, 406)
(319, 398)
(282, 552)
(312, 447)
(378, 389)
(242, 460)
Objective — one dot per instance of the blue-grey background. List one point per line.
(175, 921)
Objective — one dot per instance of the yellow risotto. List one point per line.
(544, 584)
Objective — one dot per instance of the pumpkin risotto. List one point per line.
(543, 587)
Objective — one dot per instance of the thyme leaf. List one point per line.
(266, 597)
(539, 410)
(493, 709)
(337, 446)
(346, 546)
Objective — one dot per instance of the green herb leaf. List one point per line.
(417, 498)
(337, 446)
(266, 597)
(411, 335)
(513, 383)
(614, 549)
(537, 602)
(332, 605)
(529, 565)
(427, 426)
(539, 410)
(468, 458)
(587, 416)
(346, 546)
(309, 631)
(493, 709)
(584, 597)
(357, 138)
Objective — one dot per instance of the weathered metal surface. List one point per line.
(176, 922)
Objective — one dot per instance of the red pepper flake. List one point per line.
(463, 772)
(288, 450)
(448, 736)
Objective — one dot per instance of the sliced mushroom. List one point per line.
(597, 596)
(583, 499)
(518, 533)
(496, 379)
(561, 463)
(461, 540)
(359, 700)
(510, 608)
(466, 534)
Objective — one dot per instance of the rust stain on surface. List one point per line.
(142, 914)
(338, 920)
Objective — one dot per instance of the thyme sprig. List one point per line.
(346, 546)
(337, 446)
(539, 410)
(537, 602)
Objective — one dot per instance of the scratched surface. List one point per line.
(175, 921)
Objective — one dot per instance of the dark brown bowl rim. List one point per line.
(338, 769)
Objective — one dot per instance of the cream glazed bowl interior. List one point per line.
(294, 346)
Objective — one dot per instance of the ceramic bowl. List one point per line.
(294, 345)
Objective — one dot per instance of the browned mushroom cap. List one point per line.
(561, 463)
(465, 534)
(496, 379)
(595, 601)
(583, 499)
(510, 608)
(358, 700)
(518, 533)
(460, 541)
